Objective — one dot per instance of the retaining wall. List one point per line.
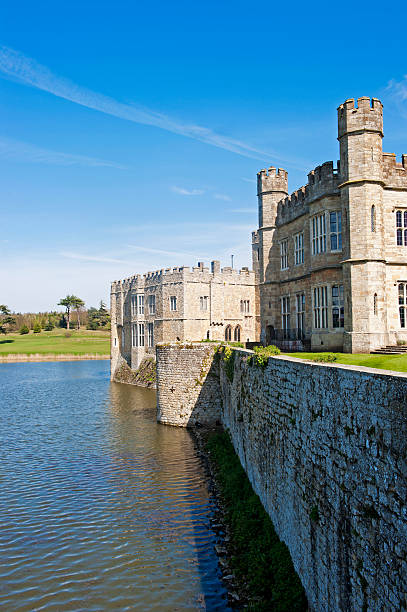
(325, 448)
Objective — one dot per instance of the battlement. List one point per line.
(395, 173)
(177, 273)
(272, 180)
(366, 116)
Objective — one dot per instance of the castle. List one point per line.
(329, 263)
(180, 304)
(331, 258)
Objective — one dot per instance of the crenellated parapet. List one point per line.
(366, 116)
(394, 173)
(272, 180)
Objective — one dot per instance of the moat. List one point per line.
(101, 508)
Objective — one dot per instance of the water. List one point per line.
(101, 508)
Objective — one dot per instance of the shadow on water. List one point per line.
(166, 461)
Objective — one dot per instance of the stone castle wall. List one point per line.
(325, 449)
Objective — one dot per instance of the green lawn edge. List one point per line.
(395, 363)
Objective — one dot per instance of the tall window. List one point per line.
(402, 303)
(245, 306)
(375, 304)
(134, 305)
(335, 230)
(320, 295)
(173, 303)
(141, 334)
(228, 333)
(236, 335)
(203, 302)
(150, 328)
(151, 304)
(141, 304)
(338, 316)
(137, 334)
(284, 254)
(318, 230)
(285, 312)
(373, 218)
(300, 303)
(299, 248)
(401, 227)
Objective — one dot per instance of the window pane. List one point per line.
(334, 242)
(399, 237)
(405, 218)
(402, 317)
(398, 219)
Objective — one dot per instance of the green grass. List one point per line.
(258, 558)
(397, 363)
(83, 342)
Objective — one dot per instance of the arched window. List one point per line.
(207, 335)
(375, 304)
(228, 333)
(237, 334)
(373, 218)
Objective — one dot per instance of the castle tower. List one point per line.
(272, 187)
(360, 133)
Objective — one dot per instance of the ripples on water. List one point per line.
(100, 507)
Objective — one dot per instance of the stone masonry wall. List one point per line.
(325, 448)
(188, 391)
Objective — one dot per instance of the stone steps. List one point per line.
(391, 350)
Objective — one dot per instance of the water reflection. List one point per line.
(100, 507)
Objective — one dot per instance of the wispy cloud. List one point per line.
(21, 68)
(242, 210)
(187, 192)
(92, 258)
(397, 92)
(22, 151)
(222, 196)
(160, 251)
(248, 180)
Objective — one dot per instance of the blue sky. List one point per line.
(131, 132)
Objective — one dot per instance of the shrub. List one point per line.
(401, 342)
(24, 330)
(37, 327)
(262, 354)
(325, 358)
(67, 334)
(49, 326)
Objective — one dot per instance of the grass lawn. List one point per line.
(83, 342)
(398, 363)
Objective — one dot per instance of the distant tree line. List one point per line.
(75, 316)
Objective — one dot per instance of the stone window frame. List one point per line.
(402, 302)
(284, 254)
(401, 227)
(285, 312)
(237, 333)
(140, 304)
(335, 230)
(173, 303)
(151, 304)
(204, 302)
(300, 310)
(338, 307)
(375, 309)
(228, 333)
(320, 307)
(299, 248)
(245, 306)
(134, 305)
(150, 335)
(137, 335)
(318, 233)
(373, 218)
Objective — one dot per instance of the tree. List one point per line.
(49, 326)
(37, 327)
(6, 319)
(77, 303)
(98, 317)
(69, 303)
(24, 330)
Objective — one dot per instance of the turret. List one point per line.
(360, 133)
(272, 186)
